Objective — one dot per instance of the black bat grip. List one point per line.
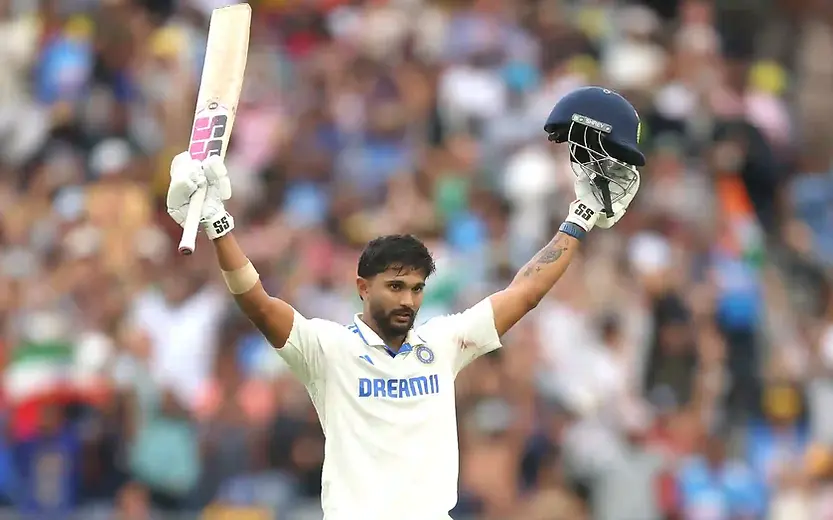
(604, 188)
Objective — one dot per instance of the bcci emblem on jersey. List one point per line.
(425, 354)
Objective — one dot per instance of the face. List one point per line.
(393, 298)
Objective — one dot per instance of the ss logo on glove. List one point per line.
(584, 212)
(221, 225)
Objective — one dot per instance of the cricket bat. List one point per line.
(226, 53)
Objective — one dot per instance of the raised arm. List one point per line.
(272, 317)
(533, 281)
(541, 273)
(297, 339)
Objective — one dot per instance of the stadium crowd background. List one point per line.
(681, 369)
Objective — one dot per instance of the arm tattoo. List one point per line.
(551, 253)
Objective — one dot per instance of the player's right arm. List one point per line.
(273, 317)
(295, 337)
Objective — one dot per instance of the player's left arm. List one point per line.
(533, 281)
(477, 330)
(539, 275)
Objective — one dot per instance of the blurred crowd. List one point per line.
(682, 369)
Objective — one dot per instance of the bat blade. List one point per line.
(224, 67)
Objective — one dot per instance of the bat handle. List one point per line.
(604, 187)
(192, 222)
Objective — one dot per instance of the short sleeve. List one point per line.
(304, 349)
(471, 332)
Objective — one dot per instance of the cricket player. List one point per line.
(384, 390)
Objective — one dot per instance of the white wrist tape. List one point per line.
(219, 226)
(241, 280)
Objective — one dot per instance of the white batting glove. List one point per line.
(588, 211)
(619, 207)
(216, 220)
(187, 175)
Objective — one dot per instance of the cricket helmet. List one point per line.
(603, 131)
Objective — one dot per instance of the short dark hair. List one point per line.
(397, 251)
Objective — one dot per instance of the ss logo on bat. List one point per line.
(207, 134)
(584, 212)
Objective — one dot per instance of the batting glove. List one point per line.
(187, 175)
(588, 211)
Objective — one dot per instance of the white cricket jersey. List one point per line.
(389, 420)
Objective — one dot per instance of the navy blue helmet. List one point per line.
(603, 131)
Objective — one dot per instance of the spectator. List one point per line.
(714, 486)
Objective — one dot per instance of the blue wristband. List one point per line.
(574, 230)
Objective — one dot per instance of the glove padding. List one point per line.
(188, 175)
(588, 211)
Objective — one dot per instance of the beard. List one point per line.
(388, 322)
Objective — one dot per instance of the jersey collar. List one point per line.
(372, 339)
